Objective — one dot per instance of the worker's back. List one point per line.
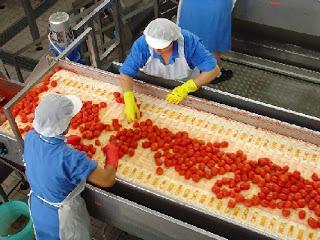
(53, 171)
(50, 166)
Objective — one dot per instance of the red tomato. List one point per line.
(313, 223)
(196, 178)
(157, 155)
(302, 214)
(57, 68)
(312, 204)
(134, 145)
(158, 161)
(187, 175)
(248, 203)
(97, 142)
(116, 94)
(131, 152)
(146, 144)
(148, 122)
(231, 203)
(223, 144)
(159, 171)
(107, 127)
(283, 178)
(54, 83)
(154, 146)
(317, 211)
(244, 186)
(315, 177)
(73, 140)
(285, 212)
(102, 105)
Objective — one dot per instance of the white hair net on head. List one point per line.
(161, 32)
(54, 113)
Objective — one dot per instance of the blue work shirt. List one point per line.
(195, 53)
(53, 170)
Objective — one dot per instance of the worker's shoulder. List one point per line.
(189, 36)
(72, 153)
(141, 42)
(31, 135)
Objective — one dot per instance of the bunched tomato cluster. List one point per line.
(196, 160)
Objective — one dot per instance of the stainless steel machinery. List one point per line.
(146, 212)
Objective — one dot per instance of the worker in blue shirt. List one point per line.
(167, 51)
(211, 21)
(57, 173)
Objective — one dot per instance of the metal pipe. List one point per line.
(92, 15)
(74, 44)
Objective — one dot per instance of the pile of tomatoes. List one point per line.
(25, 108)
(195, 160)
(118, 98)
(88, 121)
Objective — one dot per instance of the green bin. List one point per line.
(15, 221)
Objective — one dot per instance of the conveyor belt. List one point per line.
(208, 127)
(272, 88)
(210, 121)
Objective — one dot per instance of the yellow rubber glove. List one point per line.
(131, 109)
(179, 93)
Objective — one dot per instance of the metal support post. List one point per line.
(31, 19)
(3, 194)
(116, 13)
(18, 70)
(156, 8)
(93, 46)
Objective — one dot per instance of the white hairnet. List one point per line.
(161, 32)
(54, 113)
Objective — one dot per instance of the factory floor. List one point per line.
(10, 12)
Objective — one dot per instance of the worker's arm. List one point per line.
(126, 82)
(181, 92)
(131, 109)
(138, 56)
(197, 56)
(103, 177)
(106, 177)
(206, 77)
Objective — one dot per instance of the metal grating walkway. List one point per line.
(278, 90)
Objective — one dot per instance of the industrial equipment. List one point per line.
(167, 205)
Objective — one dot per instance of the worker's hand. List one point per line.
(73, 140)
(179, 93)
(131, 109)
(112, 154)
